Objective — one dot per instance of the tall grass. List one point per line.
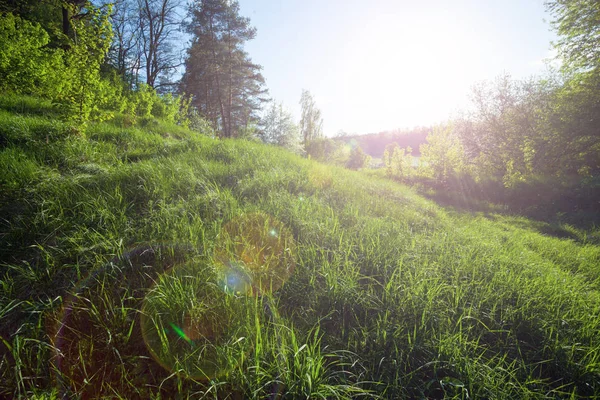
(109, 277)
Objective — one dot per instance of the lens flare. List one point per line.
(181, 334)
(254, 254)
(87, 323)
(235, 279)
(192, 327)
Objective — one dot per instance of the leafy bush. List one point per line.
(166, 107)
(443, 155)
(26, 65)
(72, 77)
(83, 95)
(328, 150)
(397, 161)
(358, 159)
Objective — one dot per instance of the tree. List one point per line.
(576, 103)
(570, 127)
(226, 87)
(124, 54)
(159, 23)
(577, 23)
(145, 36)
(327, 150)
(83, 94)
(55, 16)
(443, 154)
(388, 153)
(504, 134)
(278, 127)
(397, 161)
(311, 123)
(358, 159)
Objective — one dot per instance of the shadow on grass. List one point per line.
(562, 209)
(28, 105)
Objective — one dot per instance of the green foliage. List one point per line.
(526, 128)
(358, 159)
(189, 117)
(327, 150)
(577, 22)
(443, 155)
(141, 101)
(47, 13)
(573, 143)
(167, 108)
(278, 127)
(83, 95)
(397, 161)
(504, 137)
(26, 65)
(387, 157)
(70, 76)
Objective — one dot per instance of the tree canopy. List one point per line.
(224, 83)
(311, 122)
(278, 127)
(577, 23)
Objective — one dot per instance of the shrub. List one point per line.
(443, 155)
(70, 78)
(324, 149)
(397, 161)
(166, 107)
(358, 159)
(26, 66)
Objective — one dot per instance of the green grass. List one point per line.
(113, 254)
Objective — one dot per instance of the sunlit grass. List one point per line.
(114, 230)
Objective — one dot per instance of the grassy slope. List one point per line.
(391, 294)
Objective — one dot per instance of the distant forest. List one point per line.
(374, 144)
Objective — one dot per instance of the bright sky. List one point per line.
(378, 65)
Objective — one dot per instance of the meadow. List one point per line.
(143, 260)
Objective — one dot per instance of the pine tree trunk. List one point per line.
(65, 21)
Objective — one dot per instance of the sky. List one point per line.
(379, 65)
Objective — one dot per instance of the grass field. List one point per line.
(155, 262)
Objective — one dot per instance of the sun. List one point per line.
(412, 73)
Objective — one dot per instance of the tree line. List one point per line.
(519, 130)
(98, 59)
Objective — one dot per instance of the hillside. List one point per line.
(152, 261)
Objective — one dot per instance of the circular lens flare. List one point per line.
(235, 279)
(193, 328)
(254, 254)
(87, 323)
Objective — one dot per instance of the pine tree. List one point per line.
(225, 85)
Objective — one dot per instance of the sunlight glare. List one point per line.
(401, 71)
